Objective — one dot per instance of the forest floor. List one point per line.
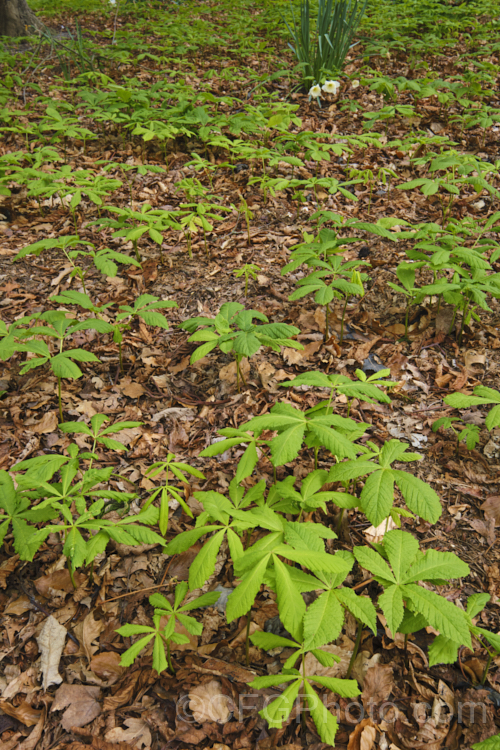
(181, 407)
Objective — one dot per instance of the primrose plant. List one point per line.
(335, 26)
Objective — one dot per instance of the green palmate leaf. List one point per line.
(111, 444)
(301, 536)
(159, 659)
(301, 580)
(373, 562)
(401, 549)
(186, 539)
(492, 638)
(476, 603)
(243, 596)
(412, 622)
(360, 606)
(142, 535)
(268, 641)
(203, 565)
(348, 470)
(271, 680)
(25, 542)
(247, 463)
(442, 651)
(235, 545)
(322, 621)
(324, 658)
(391, 604)
(286, 446)
(161, 602)
(493, 418)
(439, 612)
(419, 497)
(192, 626)
(279, 710)
(205, 600)
(4, 527)
(492, 743)
(377, 496)
(325, 722)
(118, 427)
(224, 445)
(63, 367)
(436, 566)
(75, 548)
(344, 688)
(254, 554)
(315, 560)
(463, 400)
(290, 602)
(337, 444)
(130, 655)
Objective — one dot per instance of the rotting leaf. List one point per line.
(138, 733)
(107, 666)
(23, 712)
(378, 684)
(81, 703)
(87, 632)
(6, 568)
(51, 643)
(491, 508)
(363, 736)
(32, 740)
(208, 703)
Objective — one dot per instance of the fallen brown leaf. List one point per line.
(378, 684)
(137, 734)
(18, 606)
(48, 423)
(491, 507)
(23, 683)
(59, 580)
(444, 319)
(485, 528)
(51, 643)
(31, 742)
(363, 736)
(208, 703)
(24, 713)
(228, 373)
(6, 568)
(81, 703)
(133, 390)
(107, 666)
(87, 631)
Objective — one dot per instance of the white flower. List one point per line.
(331, 87)
(355, 83)
(315, 91)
